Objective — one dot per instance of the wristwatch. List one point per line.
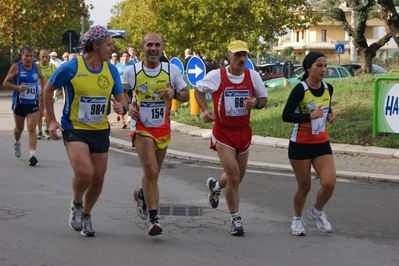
(177, 94)
(258, 105)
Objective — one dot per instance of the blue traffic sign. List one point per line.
(195, 70)
(249, 64)
(339, 48)
(176, 61)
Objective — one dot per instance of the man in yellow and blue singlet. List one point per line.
(89, 81)
(155, 84)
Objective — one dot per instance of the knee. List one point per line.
(304, 188)
(329, 186)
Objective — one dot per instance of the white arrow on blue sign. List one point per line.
(195, 70)
(176, 61)
(249, 64)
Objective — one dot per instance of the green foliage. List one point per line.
(207, 25)
(352, 104)
(39, 23)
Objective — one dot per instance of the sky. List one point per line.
(101, 13)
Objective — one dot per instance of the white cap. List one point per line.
(53, 54)
(114, 55)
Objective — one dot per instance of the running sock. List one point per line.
(298, 218)
(233, 215)
(32, 153)
(153, 214)
(217, 187)
(316, 212)
(77, 204)
(17, 142)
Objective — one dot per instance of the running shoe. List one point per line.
(47, 134)
(236, 228)
(124, 125)
(141, 207)
(321, 221)
(298, 227)
(33, 161)
(155, 228)
(75, 217)
(39, 135)
(17, 149)
(213, 196)
(87, 229)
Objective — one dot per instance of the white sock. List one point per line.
(316, 212)
(217, 187)
(32, 153)
(297, 218)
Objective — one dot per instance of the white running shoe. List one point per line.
(298, 227)
(17, 149)
(321, 221)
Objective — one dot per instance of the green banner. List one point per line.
(386, 105)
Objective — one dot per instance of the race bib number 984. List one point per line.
(92, 109)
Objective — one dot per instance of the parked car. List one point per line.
(375, 69)
(332, 73)
(270, 71)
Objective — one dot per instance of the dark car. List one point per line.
(270, 71)
(353, 67)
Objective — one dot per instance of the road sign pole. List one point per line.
(70, 43)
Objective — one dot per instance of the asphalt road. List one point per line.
(34, 213)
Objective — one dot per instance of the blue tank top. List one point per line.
(29, 78)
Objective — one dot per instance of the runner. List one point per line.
(23, 78)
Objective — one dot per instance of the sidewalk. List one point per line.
(351, 161)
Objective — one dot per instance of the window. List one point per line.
(343, 73)
(323, 35)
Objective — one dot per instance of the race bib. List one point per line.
(92, 109)
(152, 114)
(234, 102)
(319, 124)
(29, 93)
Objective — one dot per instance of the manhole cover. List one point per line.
(180, 211)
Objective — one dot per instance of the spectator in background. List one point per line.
(132, 55)
(209, 65)
(197, 53)
(137, 56)
(54, 60)
(187, 55)
(224, 62)
(114, 59)
(65, 57)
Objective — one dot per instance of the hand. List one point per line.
(331, 118)
(53, 126)
(22, 88)
(168, 92)
(317, 113)
(133, 111)
(209, 116)
(250, 103)
(117, 106)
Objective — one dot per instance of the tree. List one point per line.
(391, 18)
(209, 25)
(362, 10)
(39, 23)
